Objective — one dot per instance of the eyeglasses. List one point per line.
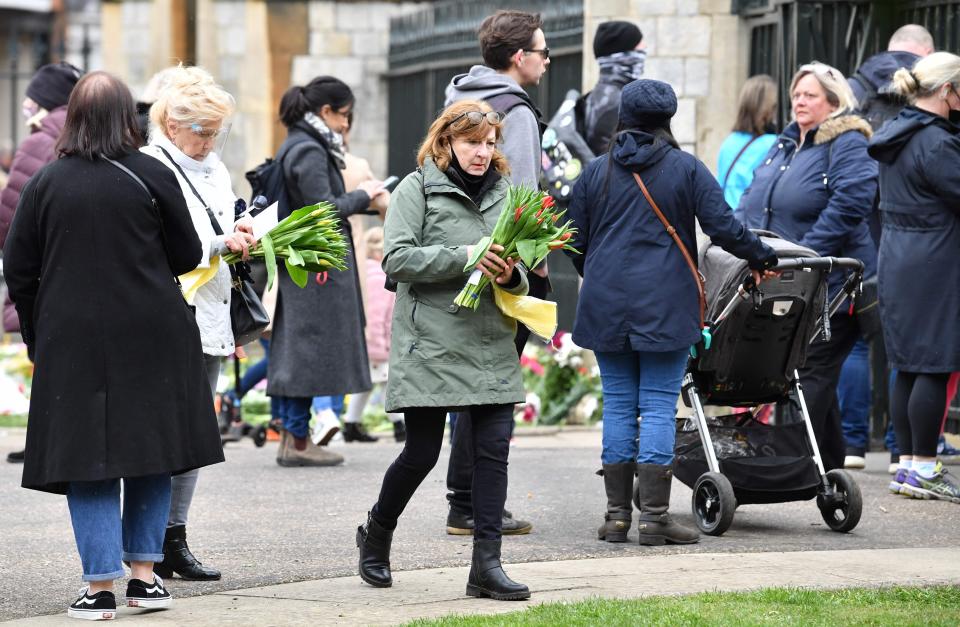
(818, 68)
(543, 52)
(476, 117)
(207, 133)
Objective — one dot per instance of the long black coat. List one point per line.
(318, 347)
(119, 388)
(638, 293)
(919, 277)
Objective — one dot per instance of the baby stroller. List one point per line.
(757, 340)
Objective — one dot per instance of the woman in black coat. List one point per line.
(119, 389)
(642, 335)
(919, 278)
(318, 346)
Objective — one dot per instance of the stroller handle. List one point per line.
(820, 263)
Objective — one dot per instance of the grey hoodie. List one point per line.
(521, 133)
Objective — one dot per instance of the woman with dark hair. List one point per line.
(325, 318)
(642, 339)
(754, 133)
(442, 357)
(102, 410)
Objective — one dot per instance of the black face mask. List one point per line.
(954, 116)
(771, 129)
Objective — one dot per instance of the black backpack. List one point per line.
(267, 180)
(877, 107)
(565, 152)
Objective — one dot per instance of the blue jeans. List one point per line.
(644, 383)
(105, 537)
(853, 394)
(890, 439)
(328, 402)
(294, 411)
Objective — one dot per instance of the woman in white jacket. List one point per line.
(187, 122)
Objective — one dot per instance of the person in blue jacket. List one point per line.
(638, 308)
(919, 278)
(817, 188)
(754, 133)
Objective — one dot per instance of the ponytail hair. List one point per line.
(927, 77)
(310, 98)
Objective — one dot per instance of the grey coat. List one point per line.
(318, 346)
(442, 355)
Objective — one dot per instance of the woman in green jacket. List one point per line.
(441, 357)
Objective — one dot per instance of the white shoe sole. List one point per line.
(150, 604)
(91, 614)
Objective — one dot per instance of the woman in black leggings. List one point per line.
(918, 271)
(443, 357)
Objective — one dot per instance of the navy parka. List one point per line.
(819, 194)
(919, 277)
(638, 293)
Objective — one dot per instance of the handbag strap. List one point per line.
(213, 219)
(697, 277)
(735, 159)
(153, 203)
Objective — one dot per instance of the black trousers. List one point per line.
(460, 466)
(819, 377)
(490, 426)
(917, 406)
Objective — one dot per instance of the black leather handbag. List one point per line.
(248, 317)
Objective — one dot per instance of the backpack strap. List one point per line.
(505, 103)
(735, 159)
(697, 277)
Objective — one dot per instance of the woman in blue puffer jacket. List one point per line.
(642, 334)
(816, 187)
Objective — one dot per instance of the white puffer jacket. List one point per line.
(212, 181)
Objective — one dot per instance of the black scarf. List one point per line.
(475, 186)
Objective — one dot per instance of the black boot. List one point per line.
(16, 457)
(654, 522)
(618, 481)
(178, 559)
(374, 544)
(399, 431)
(353, 432)
(487, 578)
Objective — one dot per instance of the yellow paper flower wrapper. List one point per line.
(540, 316)
(194, 280)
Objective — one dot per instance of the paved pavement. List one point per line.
(264, 525)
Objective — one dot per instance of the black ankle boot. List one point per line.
(654, 523)
(178, 559)
(399, 431)
(487, 578)
(618, 481)
(353, 432)
(374, 544)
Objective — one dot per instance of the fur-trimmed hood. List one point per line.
(833, 128)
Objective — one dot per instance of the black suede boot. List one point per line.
(354, 432)
(178, 559)
(618, 481)
(487, 578)
(654, 523)
(374, 544)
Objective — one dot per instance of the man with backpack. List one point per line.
(515, 55)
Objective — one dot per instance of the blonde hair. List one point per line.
(189, 95)
(927, 77)
(437, 143)
(373, 241)
(834, 84)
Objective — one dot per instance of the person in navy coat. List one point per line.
(638, 307)
(919, 278)
(817, 188)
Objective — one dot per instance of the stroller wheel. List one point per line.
(259, 436)
(714, 503)
(842, 513)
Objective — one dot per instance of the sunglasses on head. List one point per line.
(476, 117)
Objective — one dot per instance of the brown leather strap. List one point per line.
(697, 277)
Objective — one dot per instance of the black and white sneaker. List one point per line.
(151, 596)
(99, 606)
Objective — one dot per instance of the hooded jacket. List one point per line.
(877, 72)
(521, 128)
(34, 152)
(638, 293)
(818, 194)
(919, 278)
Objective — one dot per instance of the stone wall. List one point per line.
(695, 45)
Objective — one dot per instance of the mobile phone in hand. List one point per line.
(390, 182)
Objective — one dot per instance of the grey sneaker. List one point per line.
(896, 484)
(941, 486)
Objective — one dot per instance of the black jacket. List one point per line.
(119, 386)
(601, 111)
(638, 293)
(919, 277)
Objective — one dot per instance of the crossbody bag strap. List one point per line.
(737, 158)
(153, 204)
(213, 219)
(697, 277)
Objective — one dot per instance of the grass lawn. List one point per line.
(13, 420)
(778, 606)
